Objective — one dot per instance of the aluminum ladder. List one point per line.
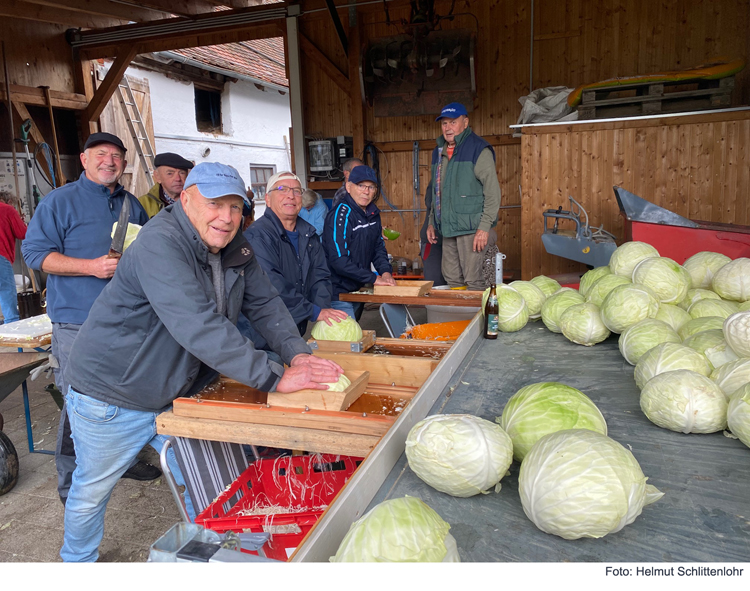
(137, 128)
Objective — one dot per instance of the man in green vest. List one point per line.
(170, 172)
(465, 199)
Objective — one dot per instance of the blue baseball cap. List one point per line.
(363, 173)
(216, 180)
(451, 111)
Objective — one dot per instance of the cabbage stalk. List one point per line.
(668, 280)
(346, 330)
(582, 324)
(554, 306)
(398, 530)
(643, 336)
(720, 308)
(461, 455)
(737, 333)
(601, 288)
(732, 375)
(582, 484)
(627, 305)
(697, 325)
(591, 277)
(684, 401)
(732, 281)
(546, 284)
(675, 316)
(696, 295)
(625, 258)
(669, 357)
(703, 266)
(547, 407)
(532, 295)
(738, 414)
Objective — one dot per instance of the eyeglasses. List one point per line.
(367, 188)
(296, 191)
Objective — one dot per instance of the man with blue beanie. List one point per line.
(165, 327)
(464, 197)
(353, 241)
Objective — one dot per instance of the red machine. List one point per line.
(677, 237)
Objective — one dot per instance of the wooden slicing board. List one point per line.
(404, 288)
(368, 340)
(414, 347)
(397, 370)
(323, 399)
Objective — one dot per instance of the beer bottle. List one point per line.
(491, 311)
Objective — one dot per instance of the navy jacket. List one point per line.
(304, 281)
(353, 240)
(75, 220)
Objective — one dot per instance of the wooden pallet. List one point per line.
(645, 98)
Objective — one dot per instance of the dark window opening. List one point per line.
(208, 110)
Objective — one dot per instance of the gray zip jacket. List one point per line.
(154, 334)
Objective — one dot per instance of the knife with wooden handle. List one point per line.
(118, 240)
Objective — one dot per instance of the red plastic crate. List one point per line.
(304, 484)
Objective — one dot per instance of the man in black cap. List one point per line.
(170, 173)
(69, 238)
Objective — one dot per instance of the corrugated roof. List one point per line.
(261, 58)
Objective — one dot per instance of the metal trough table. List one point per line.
(704, 515)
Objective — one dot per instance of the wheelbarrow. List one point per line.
(14, 369)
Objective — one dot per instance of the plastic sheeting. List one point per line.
(547, 104)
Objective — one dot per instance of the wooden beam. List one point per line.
(35, 96)
(83, 76)
(47, 14)
(185, 8)
(109, 84)
(36, 136)
(103, 8)
(321, 59)
(359, 118)
(407, 146)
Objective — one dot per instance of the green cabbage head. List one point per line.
(582, 324)
(697, 325)
(130, 234)
(591, 277)
(732, 281)
(398, 530)
(513, 313)
(342, 384)
(668, 280)
(696, 295)
(643, 336)
(540, 409)
(738, 413)
(628, 304)
(582, 484)
(705, 340)
(732, 375)
(669, 357)
(720, 354)
(721, 308)
(737, 333)
(461, 455)
(684, 401)
(675, 316)
(601, 288)
(532, 295)
(703, 266)
(555, 305)
(347, 330)
(744, 306)
(546, 284)
(626, 257)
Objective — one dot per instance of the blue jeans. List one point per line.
(351, 308)
(8, 294)
(107, 438)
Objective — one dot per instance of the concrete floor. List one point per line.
(31, 514)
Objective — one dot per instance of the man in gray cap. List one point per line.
(165, 327)
(69, 238)
(170, 172)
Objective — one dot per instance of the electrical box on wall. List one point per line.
(327, 156)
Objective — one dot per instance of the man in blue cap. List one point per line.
(463, 199)
(353, 241)
(165, 327)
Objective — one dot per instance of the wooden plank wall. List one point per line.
(696, 166)
(574, 42)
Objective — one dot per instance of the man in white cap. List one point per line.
(165, 327)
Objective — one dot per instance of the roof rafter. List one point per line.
(36, 12)
(104, 8)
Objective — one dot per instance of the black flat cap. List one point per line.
(103, 138)
(173, 161)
